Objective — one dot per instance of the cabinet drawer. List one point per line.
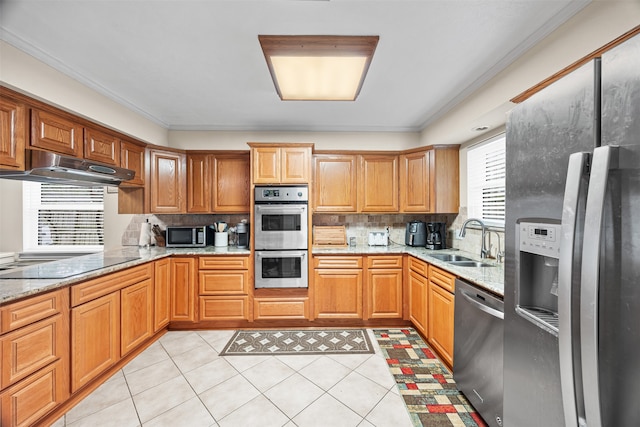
(25, 312)
(394, 261)
(224, 263)
(31, 348)
(224, 308)
(337, 262)
(31, 399)
(104, 285)
(273, 308)
(442, 278)
(222, 282)
(418, 266)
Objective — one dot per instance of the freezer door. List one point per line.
(618, 339)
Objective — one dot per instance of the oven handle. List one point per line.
(281, 254)
(281, 209)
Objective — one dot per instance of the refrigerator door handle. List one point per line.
(604, 159)
(578, 167)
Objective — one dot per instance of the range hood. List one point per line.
(43, 166)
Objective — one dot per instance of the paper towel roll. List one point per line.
(145, 234)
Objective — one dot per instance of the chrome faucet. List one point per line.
(484, 252)
(499, 253)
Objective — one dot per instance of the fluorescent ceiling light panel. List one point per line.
(327, 68)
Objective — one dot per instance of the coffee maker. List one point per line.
(436, 235)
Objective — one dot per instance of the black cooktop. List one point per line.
(66, 268)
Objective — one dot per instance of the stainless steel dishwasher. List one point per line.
(477, 349)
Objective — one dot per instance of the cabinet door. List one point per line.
(414, 182)
(136, 316)
(296, 164)
(444, 180)
(378, 183)
(168, 184)
(335, 183)
(101, 147)
(266, 165)
(384, 293)
(232, 184)
(132, 157)
(441, 311)
(29, 400)
(418, 287)
(162, 294)
(338, 293)
(13, 134)
(183, 289)
(55, 133)
(95, 338)
(198, 183)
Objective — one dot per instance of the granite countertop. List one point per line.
(13, 289)
(489, 278)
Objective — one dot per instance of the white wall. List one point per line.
(214, 140)
(10, 215)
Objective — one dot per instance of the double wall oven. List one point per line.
(281, 233)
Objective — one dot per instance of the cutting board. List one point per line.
(329, 235)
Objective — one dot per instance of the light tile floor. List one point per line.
(180, 380)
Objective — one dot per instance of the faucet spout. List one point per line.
(484, 252)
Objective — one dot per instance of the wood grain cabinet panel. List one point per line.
(414, 182)
(199, 183)
(101, 147)
(232, 183)
(168, 184)
(53, 132)
(266, 165)
(29, 400)
(418, 298)
(281, 164)
(281, 308)
(378, 183)
(95, 338)
(441, 321)
(183, 289)
(296, 165)
(132, 156)
(233, 307)
(13, 134)
(162, 294)
(136, 315)
(384, 287)
(223, 282)
(338, 292)
(28, 311)
(335, 188)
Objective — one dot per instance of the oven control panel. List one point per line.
(279, 194)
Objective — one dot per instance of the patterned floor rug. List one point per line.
(425, 384)
(328, 341)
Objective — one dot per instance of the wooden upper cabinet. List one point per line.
(101, 147)
(232, 183)
(335, 187)
(378, 183)
(53, 132)
(198, 183)
(132, 157)
(13, 134)
(168, 183)
(414, 182)
(281, 164)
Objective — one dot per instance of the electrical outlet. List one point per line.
(456, 234)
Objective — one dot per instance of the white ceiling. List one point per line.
(197, 65)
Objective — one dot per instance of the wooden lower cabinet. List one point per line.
(418, 294)
(280, 308)
(441, 312)
(183, 289)
(223, 288)
(136, 315)
(161, 294)
(95, 338)
(337, 293)
(31, 399)
(384, 287)
(234, 307)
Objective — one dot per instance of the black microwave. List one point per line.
(189, 237)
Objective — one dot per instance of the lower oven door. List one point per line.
(281, 269)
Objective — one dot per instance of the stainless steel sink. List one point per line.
(451, 257)
(470, 264)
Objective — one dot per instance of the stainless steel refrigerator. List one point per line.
(572, 273)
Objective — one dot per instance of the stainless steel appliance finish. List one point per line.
(478, 345)
(436, 235)
(281, 269)
(43, 166)
(281, 218)
(281, 237)
(573, 155)
(189, 237)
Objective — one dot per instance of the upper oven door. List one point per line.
(281, 226)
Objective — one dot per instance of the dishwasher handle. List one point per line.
(480, 306)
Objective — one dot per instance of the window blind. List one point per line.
(486, 181)
(63, 218)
